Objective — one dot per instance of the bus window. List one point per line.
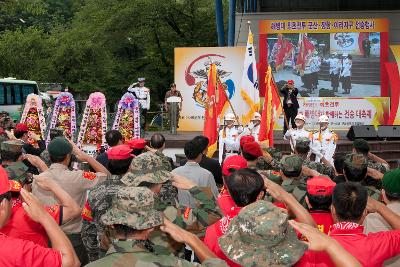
(17, 94)
(2, 91)
(26, 90)
(9, 98)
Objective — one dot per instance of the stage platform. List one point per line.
(388, 150)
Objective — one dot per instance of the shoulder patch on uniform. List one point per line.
(89, 175)
(87, 212)
(186, 213)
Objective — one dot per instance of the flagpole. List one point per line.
(230, 104)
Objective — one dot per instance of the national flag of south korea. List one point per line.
(249, 94)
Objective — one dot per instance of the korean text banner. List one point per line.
(191, 68)
(342, 112)
(324, 25)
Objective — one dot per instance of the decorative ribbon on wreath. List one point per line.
(33, 115)
(64, 115)
(94, 122)
(127, 119)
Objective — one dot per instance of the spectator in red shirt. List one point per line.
(21, 226)
(349, 207)
(319, 200)
(18, 252)
(247, 186)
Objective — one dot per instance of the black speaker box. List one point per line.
(367, 132)
(389, 132)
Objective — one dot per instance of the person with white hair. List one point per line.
(345, 73)
(253, 128)
(334, 69)
(323, 143)
(228, 138)
(294, 133)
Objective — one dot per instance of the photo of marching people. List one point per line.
(343, 64)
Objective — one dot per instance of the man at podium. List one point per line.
(173, 93)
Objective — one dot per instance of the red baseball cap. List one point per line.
(4, 183)
(137, 143)
(120, 152)
(233, 162)
(290, 82)
(21, 127)
(246, 139)
(253, 148)
(320, 186)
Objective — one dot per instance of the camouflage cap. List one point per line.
(355, 161)
(291, 163)
(133, 207)
(18, 171)
(261, 236)
(303, 142)
(12, 146)
(147, 167)
(274, 152)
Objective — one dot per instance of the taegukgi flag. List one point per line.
(248, 101)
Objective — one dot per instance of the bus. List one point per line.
(13, 95)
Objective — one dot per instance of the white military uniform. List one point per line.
(334, 65)
(325, 143)
(251, 130)
(229, 142)
(346, 67)
(293, 134)
(315, 63)
(143, 95)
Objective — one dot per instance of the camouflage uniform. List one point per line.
(165, 161)
(276, 155)
(134, 207)
(45, 156)
(17, 171)
(296, 186)
(304, 142)
(359, 161)
(148, 167)
(98, 202)
(261, 236)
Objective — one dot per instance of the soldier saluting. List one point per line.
(142, 94)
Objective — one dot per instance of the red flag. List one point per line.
(285, 49)
(222, 98)
(271, 110)
(210, 111)
(305, 49)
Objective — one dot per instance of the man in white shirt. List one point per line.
(228, 138)
(294, 133)
(323, 143)
(253, 128)
(345, 73)
(142, 94)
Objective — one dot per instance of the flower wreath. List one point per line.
(64, 115)
(94, 122)
(33, 115)
(127, 119)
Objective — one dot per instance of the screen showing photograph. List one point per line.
(342, 64)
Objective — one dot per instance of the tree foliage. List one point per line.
(101, 44)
